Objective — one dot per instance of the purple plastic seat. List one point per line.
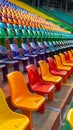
(15, 53)
(4, 59)
(26, 52)
(36, 51)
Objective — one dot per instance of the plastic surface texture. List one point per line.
(10, 120)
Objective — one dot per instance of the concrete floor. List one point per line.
(53, 116)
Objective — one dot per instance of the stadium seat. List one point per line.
(43, 50)
(47, 76)
(67, 57)
(61, 66)
(35, 50)
(70, 54)
(26, 52)
(15, 53)
(54, 70)
(9, 119)
(37, 84)
(22, 98)
(69, 119)
(4, 59)
(64, 62)
(2, 36)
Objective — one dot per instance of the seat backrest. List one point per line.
(41, 46)
(2, 25)
(18, 86)
(15, 26)
(14, 50)
(66, 56)
(33, 75)
(58, 60)
(2, 33)
(62, 57)
(51, 46)
(3, 52)
(25, 49)
(10, 33)
(69, 118)
(3, 105)
(9, 25)
(70, 54)
(44, 67)
(52, 63)
(46, 44)
(33, 47)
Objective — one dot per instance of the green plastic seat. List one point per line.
(30, 34)
(2, 36)
(2, 33)
(24, 33)
(10, 33)
(34, 34)
(17, 33)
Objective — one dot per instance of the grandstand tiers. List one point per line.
(31, 37)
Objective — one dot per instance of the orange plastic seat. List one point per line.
(4, 19)
(54, 70)
(22, 98)
(61, 66)
(47, 76)
(70, 54)
(37, 84)
(10, 20)
(69, 118)
(10, 120)
(66, 63)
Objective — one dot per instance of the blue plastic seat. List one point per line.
(15, 53)
(35, 51)
(4, 59)
(47, 48)
(52, 49)
(41, 49)
(9, 25)
(15, 26)
(26, 52)
(2, 25)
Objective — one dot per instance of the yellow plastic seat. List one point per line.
(66, 63)
(61, 66)
(22, 98)
(69, 118)
(10, 120)
(47, 76)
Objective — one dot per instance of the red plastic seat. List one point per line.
(67, 57)
(54, 70)
(37, 84)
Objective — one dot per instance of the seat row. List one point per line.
(26, 101)
(29, 56)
